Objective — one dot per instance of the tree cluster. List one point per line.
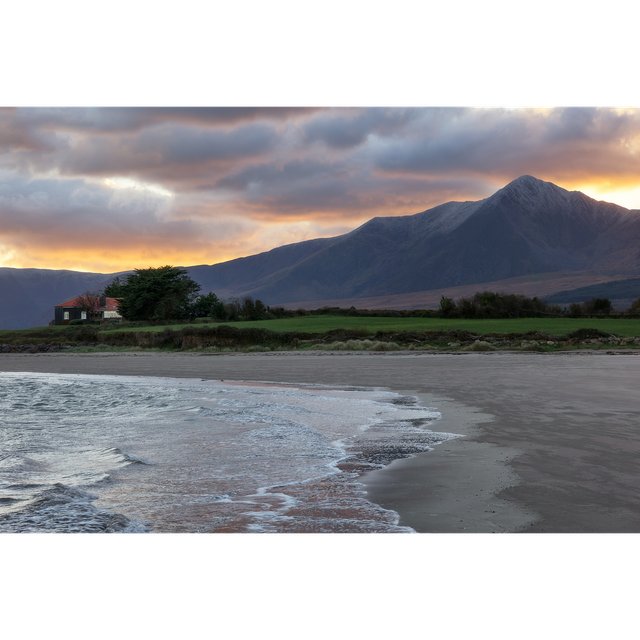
(207, 306)
(162, 293)
(591, 307)
(485, 304)
(246, 309)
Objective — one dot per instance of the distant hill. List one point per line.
(27, 296)
(541, 285)
(529, 230)
(621, 291)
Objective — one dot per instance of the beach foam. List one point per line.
(117, 453)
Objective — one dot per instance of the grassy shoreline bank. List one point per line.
(247, 337)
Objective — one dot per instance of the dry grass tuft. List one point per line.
(480, 345)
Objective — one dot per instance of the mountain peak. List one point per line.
(528, 191)
(528, 182)
(527, 178)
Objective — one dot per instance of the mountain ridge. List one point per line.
(527, 227)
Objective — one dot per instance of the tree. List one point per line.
(218, 311)
(207, 305)
(597, 305)
(261, 310)
(447, 307)
(248, 310)
(232, 309)
(602, 305)
(90, 302)
(156, 293)
(575, 310)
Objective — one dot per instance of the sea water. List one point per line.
(89, 453)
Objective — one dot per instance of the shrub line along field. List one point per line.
(338, 333)
(324, 323)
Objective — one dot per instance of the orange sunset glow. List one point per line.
(112, 189)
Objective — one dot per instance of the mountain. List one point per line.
(528, 227)
(27, 296)
(529, 230)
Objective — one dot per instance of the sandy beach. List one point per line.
(551, 440)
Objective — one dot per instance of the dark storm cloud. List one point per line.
(339, 190)
(586, 124)
(96, 119)
(514, 142)
(182, 144)
(13, 136)
(270, 175)
(166, 147)
(351, 127)
(466, 142)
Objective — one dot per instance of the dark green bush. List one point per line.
(597, 305)
(84, 333)
(447, 307)
(575, 310)
(587, 333)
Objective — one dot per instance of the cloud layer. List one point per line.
(112, 189)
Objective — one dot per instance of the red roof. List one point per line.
(111, 304)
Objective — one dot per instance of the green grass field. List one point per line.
(320, 324)
(51, 330)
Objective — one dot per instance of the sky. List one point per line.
(109, 189)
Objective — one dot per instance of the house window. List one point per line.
(83, 315)
(66, 315)
(112, 314)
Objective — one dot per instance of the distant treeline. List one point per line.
(481, 305)
(485, 305)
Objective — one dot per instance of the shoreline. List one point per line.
(559, 453)
(465, 477)
(323, 352)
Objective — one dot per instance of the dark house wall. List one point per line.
(74, 314)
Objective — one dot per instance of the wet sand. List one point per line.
(552, 441)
